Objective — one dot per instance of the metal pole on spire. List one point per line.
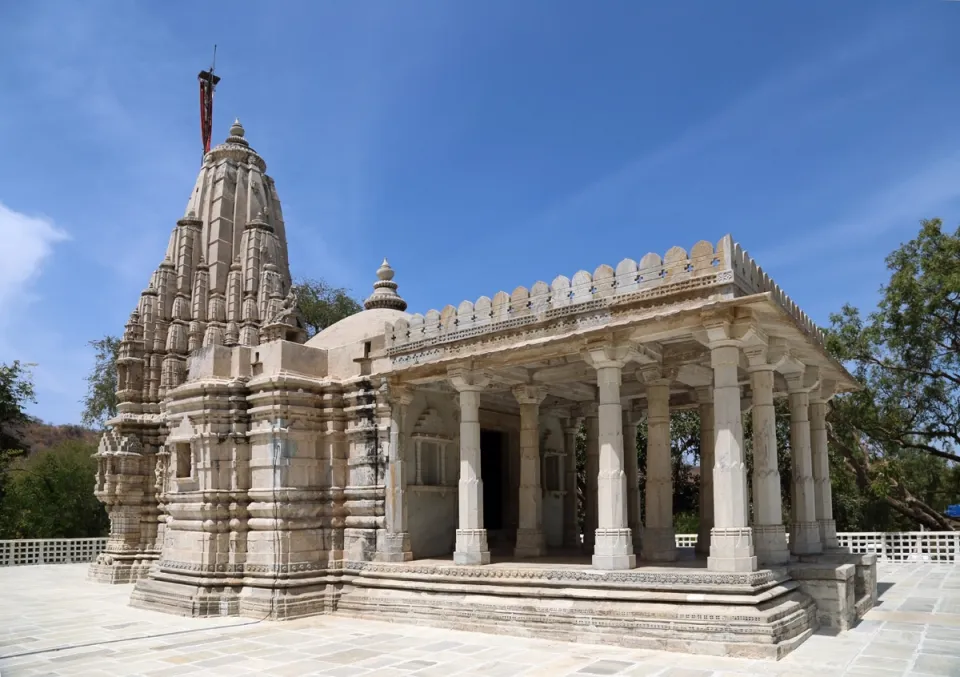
(208, 83)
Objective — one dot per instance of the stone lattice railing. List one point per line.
(50, 550)
(677, 272)
(906, 547)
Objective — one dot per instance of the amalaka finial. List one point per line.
(385, 290)
(236, 129)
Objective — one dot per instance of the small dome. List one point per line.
(357, 328)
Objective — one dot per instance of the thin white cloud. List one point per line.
(27, 241)
(922, 193)
(779, 102)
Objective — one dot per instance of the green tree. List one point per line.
(322, 304)
(49, 495)
(897, 435)
(16, 391)
(100, 402)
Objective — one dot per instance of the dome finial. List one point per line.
(236, 129)
(385, 290)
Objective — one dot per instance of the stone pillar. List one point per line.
(591, 470)
(530, 540)
(471, 545)
(823, 494)
(395, 545)
(707, 441)
(770, 537)
(633, 480)
(804, 529)
(613, 547)
(659, 538)
(731, 539)
(571, 521)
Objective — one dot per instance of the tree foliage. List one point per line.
(898, 433)
(100, 402)
(322, 304)
(49, 494)
(16, 391)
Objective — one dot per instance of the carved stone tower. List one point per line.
(224, 280)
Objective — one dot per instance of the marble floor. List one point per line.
(54, 622)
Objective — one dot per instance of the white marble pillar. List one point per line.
(530, 540)
(471, 547)
(633, 481)
(571, 521)
(707, 441)
(659, 536)
(591, 470)
(613, 548)
(731, 539)
(823, 494)
(770, 536)
(396, 537)
(804, 529)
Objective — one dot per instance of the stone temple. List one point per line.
(422, 467)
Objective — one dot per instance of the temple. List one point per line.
(423, 467)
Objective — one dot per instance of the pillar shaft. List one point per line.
(707, 442)
(471, 545)
(731, 540)
(530, 540)
(613, 547)
(632, 470)
(804, 529)
(395, 545)
(571, 521)
(770, 536)
(823, 495)
(591, 470)
(659, 537)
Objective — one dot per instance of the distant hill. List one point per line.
(39, 435)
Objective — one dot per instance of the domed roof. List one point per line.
(356, 328)
(384, 306)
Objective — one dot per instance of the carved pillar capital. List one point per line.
(467, 380)
(529, 394)
(610, 354)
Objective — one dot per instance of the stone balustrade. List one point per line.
(904, 547)
(50, 550)
(705, 267)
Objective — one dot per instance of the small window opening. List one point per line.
(184, 460)
(367, 346)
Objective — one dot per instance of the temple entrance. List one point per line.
(492, 447)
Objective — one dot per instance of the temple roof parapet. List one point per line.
(724, 271)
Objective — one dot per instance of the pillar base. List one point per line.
(805, 538)
(659, 544)
(393, 547)
(614, 550)
(471, 547)
(731, 549)
(530, 543)
(770, 544)
(828, 534)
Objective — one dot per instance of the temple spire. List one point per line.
(385, 290)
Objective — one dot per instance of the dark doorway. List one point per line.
(491, 471)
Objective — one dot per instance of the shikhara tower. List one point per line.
(224, 280)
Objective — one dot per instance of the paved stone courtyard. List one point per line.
(54, 622)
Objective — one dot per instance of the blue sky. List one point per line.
(479, 145)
